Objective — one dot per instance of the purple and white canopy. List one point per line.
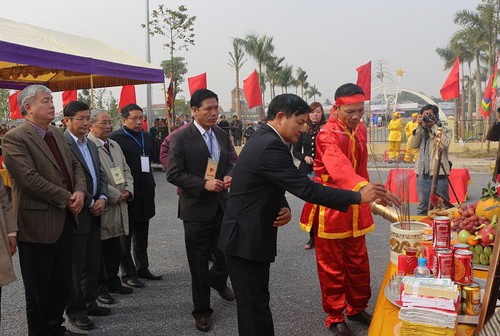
(61, 61)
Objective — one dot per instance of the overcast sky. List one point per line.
(327, 38)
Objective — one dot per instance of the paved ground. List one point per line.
(164, 307)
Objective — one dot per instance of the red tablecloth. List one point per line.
(459, 178)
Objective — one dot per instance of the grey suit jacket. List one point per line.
(39, 194)
(102, 185)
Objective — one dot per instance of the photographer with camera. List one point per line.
(425, 138)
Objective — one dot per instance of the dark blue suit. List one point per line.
(86, 237)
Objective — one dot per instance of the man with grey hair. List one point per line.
(48, 191)
(114, 220)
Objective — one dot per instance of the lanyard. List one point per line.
(107, 149)
(140, 145)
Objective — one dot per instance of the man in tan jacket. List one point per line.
(114, 219)
(425, 138)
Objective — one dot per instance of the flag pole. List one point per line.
(92, 90)
(166, 107)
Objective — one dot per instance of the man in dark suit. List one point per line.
(87, 236)
(48, 191)
(199, 162)
(139, 150)
(257, 207)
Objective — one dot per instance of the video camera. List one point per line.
(427, 118)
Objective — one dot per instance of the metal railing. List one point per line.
(473, 130)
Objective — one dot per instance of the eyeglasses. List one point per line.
(80, 118)
(104, 122)
(136, 118)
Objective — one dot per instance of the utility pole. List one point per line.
(149, 114)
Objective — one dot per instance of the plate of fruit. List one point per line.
(475, 224)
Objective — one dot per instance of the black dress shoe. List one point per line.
(83, 323)
(99, 311)
(121, 290)
(203, 323)
(136, 283)
(226, 293)
(340, 329)
(363, 318)
(145, 273)
(105, 298)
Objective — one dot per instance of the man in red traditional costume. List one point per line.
(341, 254)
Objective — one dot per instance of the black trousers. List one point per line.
(46, 271)
(85, 275)
(110, 264)
(201, 240)
(250, 280)
(134, 248)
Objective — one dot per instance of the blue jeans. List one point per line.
(424, 191)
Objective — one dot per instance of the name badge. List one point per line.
(117, 174)
(145, 167)
(211, 169)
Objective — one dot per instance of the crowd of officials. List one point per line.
(82, 200)
(81, 204)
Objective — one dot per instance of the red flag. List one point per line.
(251, 87)
(170, 97)
(365, 79)
(127, 96)
(15, 111)
(197, 82)
(451, 88)
(68, 96)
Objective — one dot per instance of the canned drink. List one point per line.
(441, 230)
(443, 263)
(460, 246)
(463, 267)
(471, 299)
(459, 288)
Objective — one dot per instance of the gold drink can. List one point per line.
(471, 296)
(462, 301)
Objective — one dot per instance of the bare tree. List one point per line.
(178, 28)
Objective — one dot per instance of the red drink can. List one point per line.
(463, 267)
(441, 230)
(443, 263)
(460, 246)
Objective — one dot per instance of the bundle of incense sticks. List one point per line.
(403, 192)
